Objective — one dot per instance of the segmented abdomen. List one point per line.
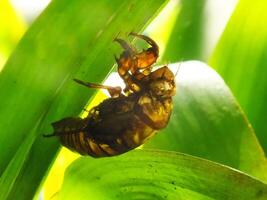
(84, 143)
(113, 127)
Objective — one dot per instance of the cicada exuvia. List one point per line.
(130, 116)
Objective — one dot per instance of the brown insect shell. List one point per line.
(161, 83)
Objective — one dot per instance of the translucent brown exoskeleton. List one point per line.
(129, 117)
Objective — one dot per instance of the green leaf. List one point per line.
(186, 38)
(207, 122)
(11, 30)
(143, 174)
(69, 39)
(241, 59)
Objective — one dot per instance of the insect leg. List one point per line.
(130, 81)
(128, 63)
(146, 58)
(113, 91)
(153, 44)
(125, 46)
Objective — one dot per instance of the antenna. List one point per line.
(178, 68)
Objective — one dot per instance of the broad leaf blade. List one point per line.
(11, 30)
(69, 39)
(240, 57)
(186, 38)
(196, 30)
(207, 122)
(143, 174)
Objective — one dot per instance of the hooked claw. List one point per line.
(125, 46)
(148, 40)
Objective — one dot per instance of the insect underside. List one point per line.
(129, 117)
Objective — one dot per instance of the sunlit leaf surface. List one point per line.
(185, 42)
(143, 174)
(208, 122)
(12, 28)
(69, 39)
(241, 59)
(74, 39)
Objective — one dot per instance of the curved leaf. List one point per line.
(70, 39)
(186, 38)
(143, 174)
(241, 59)
(11, 30)
(207, 122)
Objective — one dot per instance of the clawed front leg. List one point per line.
(133, 66)
(147, 57)
(153, 44)
(127, 48)
(126, 62)
(113, 91)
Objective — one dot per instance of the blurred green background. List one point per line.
(218, 116)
